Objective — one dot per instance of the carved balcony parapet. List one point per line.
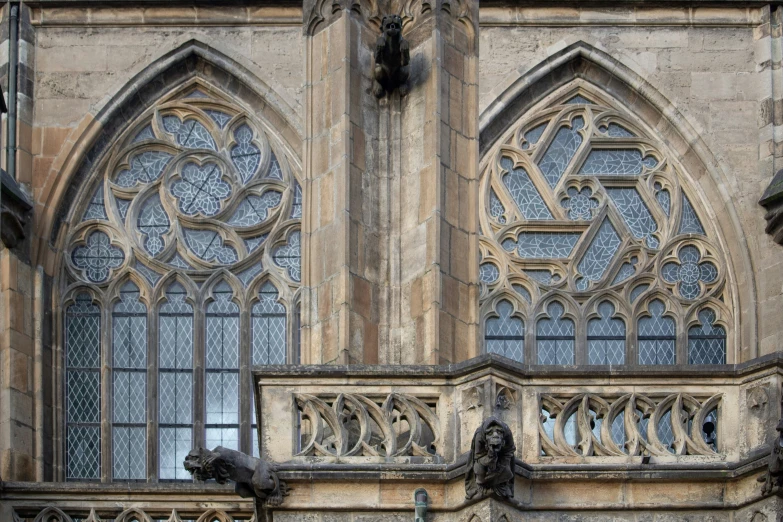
(349, 425)
(374, 419)
(588, 424)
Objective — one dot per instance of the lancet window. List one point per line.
(186, 238)
(593, 223)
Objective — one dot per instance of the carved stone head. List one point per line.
(204, 464)
(391, 25)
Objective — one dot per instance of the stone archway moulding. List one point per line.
(583, 61)
(92, 138)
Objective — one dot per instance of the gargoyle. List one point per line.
(392, 56)
(491, 461)
(252, 477)
(773, 478)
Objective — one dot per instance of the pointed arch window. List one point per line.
(606, 337)
(175, 384)
(83, 389)
(707, 340)
(222, 364)
(657, 336)
(580, 199)
(195, 185)
(505, 333)
(555, 337)
(129, 385)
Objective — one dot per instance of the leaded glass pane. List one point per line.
(533, 135)
(296, 208)
(97, 257)
(175, 352)
(129, 447)
(153, 223)
(665, 430)
(145, 133)
(129, 385)
(560, 153)
(268, 328)
(618, 432)
(544, 277)
(245, 155)
(83, 389)
(614, 162)
(505, 334)
(209, 246)
(255, 209)
(598, 255)
(689, 222)
(626, 271)
(275, 172)
(254, 242)
(635, 214)
(149, 274)
(222, 366)
(523, 192)
(544, 245)
(289, 256)
(496, 207)
(522, 291)
(656, 336)
(96, 209)
(247, 275)
(488, 273)
(221, 118)
(707, 341)
(578, 100)
(122, 206)
(637, 291)
(663, 197)
(175, 443)
(617, 131)
(580, 203)
(555, 337)
(201, 189)
(191, 133)
(606, 337)
(144, 168)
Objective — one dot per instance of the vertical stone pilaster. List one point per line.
(390, 227)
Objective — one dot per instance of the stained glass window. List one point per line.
(555, 337)
(505, 334)
(129, 386)
(196, 185)
(83, 389)
(606, 337)
(707, 341)
(657, 336)
(583, 199)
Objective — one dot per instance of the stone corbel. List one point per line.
(772, 200)
(14, 211)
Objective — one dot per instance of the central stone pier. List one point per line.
(390, 244)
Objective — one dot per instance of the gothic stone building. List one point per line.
(216, 234)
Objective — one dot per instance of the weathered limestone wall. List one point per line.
(720, 69)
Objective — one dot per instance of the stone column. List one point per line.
(390, 245)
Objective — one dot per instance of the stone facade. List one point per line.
(389, 312)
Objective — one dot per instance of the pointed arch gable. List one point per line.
(93, 138)
(709, 180)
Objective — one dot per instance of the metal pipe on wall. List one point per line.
(13, 68)
(38, 388)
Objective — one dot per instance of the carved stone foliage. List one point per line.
(352, 425)
(491, 461)
(588, 425)
(252, 477)
(581, 199)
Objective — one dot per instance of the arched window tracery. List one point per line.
(504, 333)
(581, 199)
(196, 187)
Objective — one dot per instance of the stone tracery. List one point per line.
(198, 204)
(582, 200)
